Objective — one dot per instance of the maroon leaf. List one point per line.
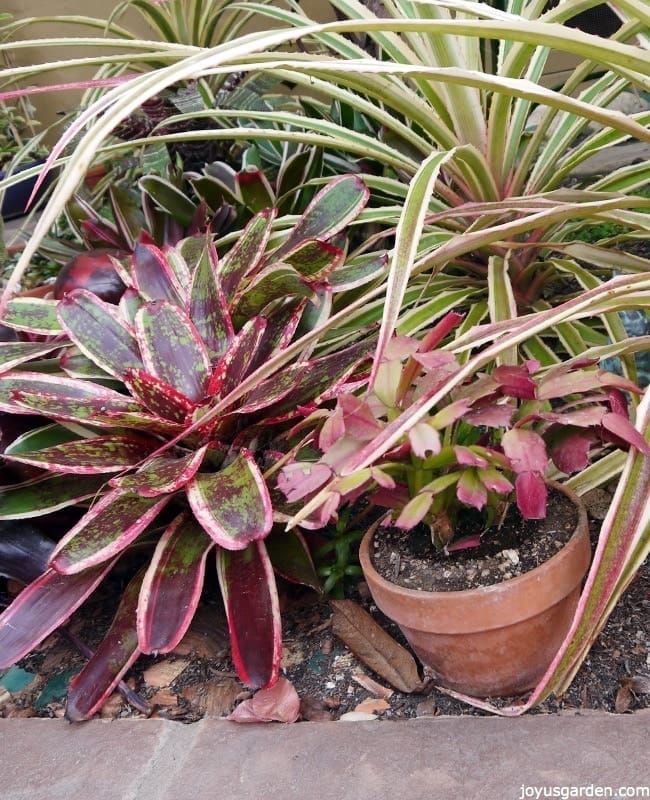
(235, 363)
(24, 551)
(105, 530)
(623, 429)
(278, 703)
(172, 586)
(172, 349)
(247, 253)
(233, 505)
(531, 494)
(253, 611)
(91, 687)
(99, 332)
(207, 305)
(89, 456)
(290, 556)
(153, 275)
(41, 608)
(515, 381)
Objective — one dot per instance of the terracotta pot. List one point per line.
(496, 640)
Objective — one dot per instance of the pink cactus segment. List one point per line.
(515, 381)
(496, 415)
(493, 480)
(415, 511)
(531, 493)
(470, 490)
(525, 450)
(301, 478)
(424, 439)
(571, 452)
(468, 457)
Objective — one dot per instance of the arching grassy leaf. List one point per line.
(172, 585)
(253, 612)
(41, 608)
(99, 331)
(105, 530)
(91, 687)
(232, 505)
(172, 349)
(92, 456)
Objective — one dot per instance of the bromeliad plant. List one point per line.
(162, 419)
(487, 440)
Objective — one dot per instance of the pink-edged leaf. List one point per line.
(525, 450)
(32, 314)
(414, 511)
(93, 456)
(316, 260)
(272, 390)
(152, 274)
(207, 305)
(248, 252)
(161, 475)
(278, 703)
(531, 493)
(105, 530)
(623, 429)
(424, 439)
(99, 331)
(172, 585)
(569, 447)
(291, 557)
(91, 687)
(234, 365)
(233, 505)
(172, 349)
(253, 611)
(159, 397)
(470, 490)
(45, 495)
(515, 381)
(337, 204)
(59, 397)
(275, 282)
(41, 608)
(14, 353)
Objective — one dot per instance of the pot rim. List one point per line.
(463, 603)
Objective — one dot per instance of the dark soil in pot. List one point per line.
(410, 559)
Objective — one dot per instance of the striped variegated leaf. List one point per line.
(105, 530)
(99, 331)
(233, 505)
(172, 585)
(93, 456)
(91, 687)
(172, 349)
(253, 612)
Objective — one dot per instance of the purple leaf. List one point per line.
(41, 608)
(232, 505)
(515, 381)
(569, 447)
(172, 349)
(234, 365)
(247, 253)
(91, 687)
(531, 494)
(153, 276)
(172, 585)
(253, 612)
(105, 530)
(24, 551)
(207, 305)
(99, 332)
(89, 456)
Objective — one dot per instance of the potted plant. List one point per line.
(484, 443)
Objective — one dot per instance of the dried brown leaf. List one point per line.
(164, 673)
(372, 705)
(313, 709)
(279, 703)
(372, 686)
(376, 648)
(624, 699)
(640, 684)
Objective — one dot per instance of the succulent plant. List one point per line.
(161, 419)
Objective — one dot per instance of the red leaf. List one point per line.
(531, 495)
(159, 397)
(253, 611)
(153, 275)
(279, 703)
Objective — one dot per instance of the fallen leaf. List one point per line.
(279, 703)
(313, 709)
(164, 673)
(357, 716)
(372, 686)
(376, 648)
(372, 705)
(164, 697)
(207, 636)
(640, 684)
(624, 699)
(427, 708)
